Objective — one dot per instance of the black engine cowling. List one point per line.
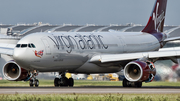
(12, 71)
(139, 71)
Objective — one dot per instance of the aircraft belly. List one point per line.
(93, 68)
(62, 63)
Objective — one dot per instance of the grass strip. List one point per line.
(90, 97)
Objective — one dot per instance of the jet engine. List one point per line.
(140, 71)
(12, 71)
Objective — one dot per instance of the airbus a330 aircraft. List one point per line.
(92, 52)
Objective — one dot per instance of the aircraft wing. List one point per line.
(172, 39)
(7, 49)
(166, 53)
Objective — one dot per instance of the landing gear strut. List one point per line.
(63, 81)
(127, 83)
(34, 81)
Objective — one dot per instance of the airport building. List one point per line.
(25, 29)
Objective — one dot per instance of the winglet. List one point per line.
(157, 18)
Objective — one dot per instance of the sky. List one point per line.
(82, 12)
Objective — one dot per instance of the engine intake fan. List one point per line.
(12, 71)
(140, 71)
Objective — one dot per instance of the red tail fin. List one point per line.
(156, 20)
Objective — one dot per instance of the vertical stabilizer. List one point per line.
(157, 18)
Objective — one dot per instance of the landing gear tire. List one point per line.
(56, 82)
(70, 82)
(60, 84)
(31, 83)
(36, 83)
(138, 84)
(64, 82)
(126, 83)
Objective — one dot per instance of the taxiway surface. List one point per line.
(89, 90)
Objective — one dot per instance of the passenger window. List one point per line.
(33, 45)
(18, 45)
(23, 45)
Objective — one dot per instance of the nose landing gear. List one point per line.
(63, 81)
(33, 80)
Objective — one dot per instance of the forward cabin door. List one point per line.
(47, 46)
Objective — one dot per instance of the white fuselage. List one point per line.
(66, 51)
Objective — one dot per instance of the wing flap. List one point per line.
(162, 54)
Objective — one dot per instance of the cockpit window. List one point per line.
(29, 45)
(33, 45)
(18, 45)
(23, 45)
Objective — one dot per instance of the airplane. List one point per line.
(91, 52)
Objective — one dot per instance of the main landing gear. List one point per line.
(33, 80)
(63, 81)
(127, 83)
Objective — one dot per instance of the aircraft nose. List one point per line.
(19, 56)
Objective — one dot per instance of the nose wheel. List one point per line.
(63, 81)
(34, 81)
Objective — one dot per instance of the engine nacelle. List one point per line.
(12, 71)
(140, 71)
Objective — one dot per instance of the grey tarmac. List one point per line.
(89, 90)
